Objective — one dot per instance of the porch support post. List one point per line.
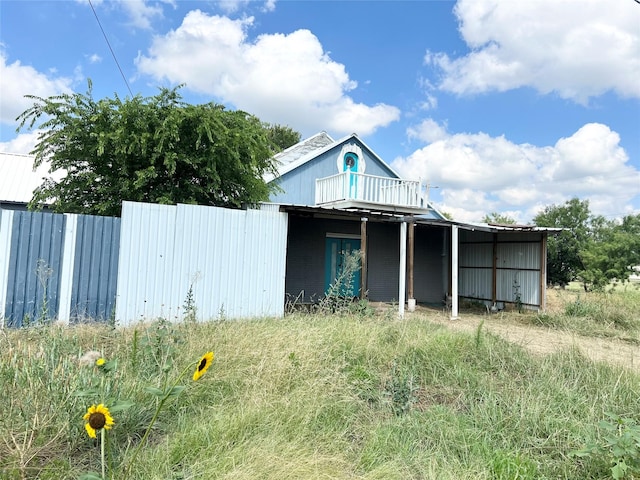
(494, 275)
(411, 306)
(403, 268)
(454, 272)
(363, 257)
(543, 271)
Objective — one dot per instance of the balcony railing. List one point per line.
(358, 187)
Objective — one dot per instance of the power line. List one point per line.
(111, 49)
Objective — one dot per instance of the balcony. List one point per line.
(358, 190)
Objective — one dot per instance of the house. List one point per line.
(341, 196)
(335, 197)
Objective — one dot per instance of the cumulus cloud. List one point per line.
(281, 78)
(19, 80)
(576, 49)
(23, 143)
(522, 178)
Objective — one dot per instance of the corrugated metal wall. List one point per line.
(234, 260)
(73, 258)
(517, 261)
(34, 267)
(428, 272)
(95, 269)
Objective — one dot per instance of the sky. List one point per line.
(500, 106)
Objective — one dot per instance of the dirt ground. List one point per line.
(540, 341)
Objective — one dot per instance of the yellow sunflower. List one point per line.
(100, 362)
(97, 417)
(203, 365)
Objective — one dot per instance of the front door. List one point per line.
(342, 275)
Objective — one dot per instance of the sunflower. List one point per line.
(97, 417)
(203, 365)
(100, 362)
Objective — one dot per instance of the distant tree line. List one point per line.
(591, 249)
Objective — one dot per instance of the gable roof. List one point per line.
(310, 148)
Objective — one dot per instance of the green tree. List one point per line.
(613, 253)
(156, 149)
(564, 260)
(498, 219)
(282, 137)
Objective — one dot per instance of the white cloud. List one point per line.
(23, 143)
(478, 174)
(140, 13)
(281, 78)
(19, 80)
(575, 48)
(232, 6)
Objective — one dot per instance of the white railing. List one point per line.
(368, 188)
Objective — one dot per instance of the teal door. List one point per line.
(350, 164)
(339, 273)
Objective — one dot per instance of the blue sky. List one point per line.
(501, 106)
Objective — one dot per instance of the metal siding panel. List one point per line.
(239, 268)
(428, 272)
(6, 227)
(383, 260)
(37, 241)
(145, 261)
(476, 255)
(305, 259)
(235, 260)
(475, 283)
(95, 268)
(519, 255)
(529, 286)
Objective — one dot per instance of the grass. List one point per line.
(614, 314)
(306, 397)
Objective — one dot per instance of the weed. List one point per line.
(619, 446)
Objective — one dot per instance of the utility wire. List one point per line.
(111, 49)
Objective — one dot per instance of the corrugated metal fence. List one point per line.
(231, 261)
(74, 267)
(56, 266)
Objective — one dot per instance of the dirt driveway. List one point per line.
(541, 341)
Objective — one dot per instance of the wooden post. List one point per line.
(543, 271)
(494, 279)
(363, 249)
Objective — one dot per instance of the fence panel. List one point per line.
(35, 261)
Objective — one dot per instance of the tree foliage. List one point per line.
(156, 149)
(282, 137)
(498, 219)
(613, 252)
(591, 249)
(563, 250)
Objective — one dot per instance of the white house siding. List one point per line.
(234, 261)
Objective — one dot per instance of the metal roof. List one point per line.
(18, 179)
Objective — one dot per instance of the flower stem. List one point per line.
(167, 394)
(102, 438)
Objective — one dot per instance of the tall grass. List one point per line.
(345, 397)
(614, 314)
